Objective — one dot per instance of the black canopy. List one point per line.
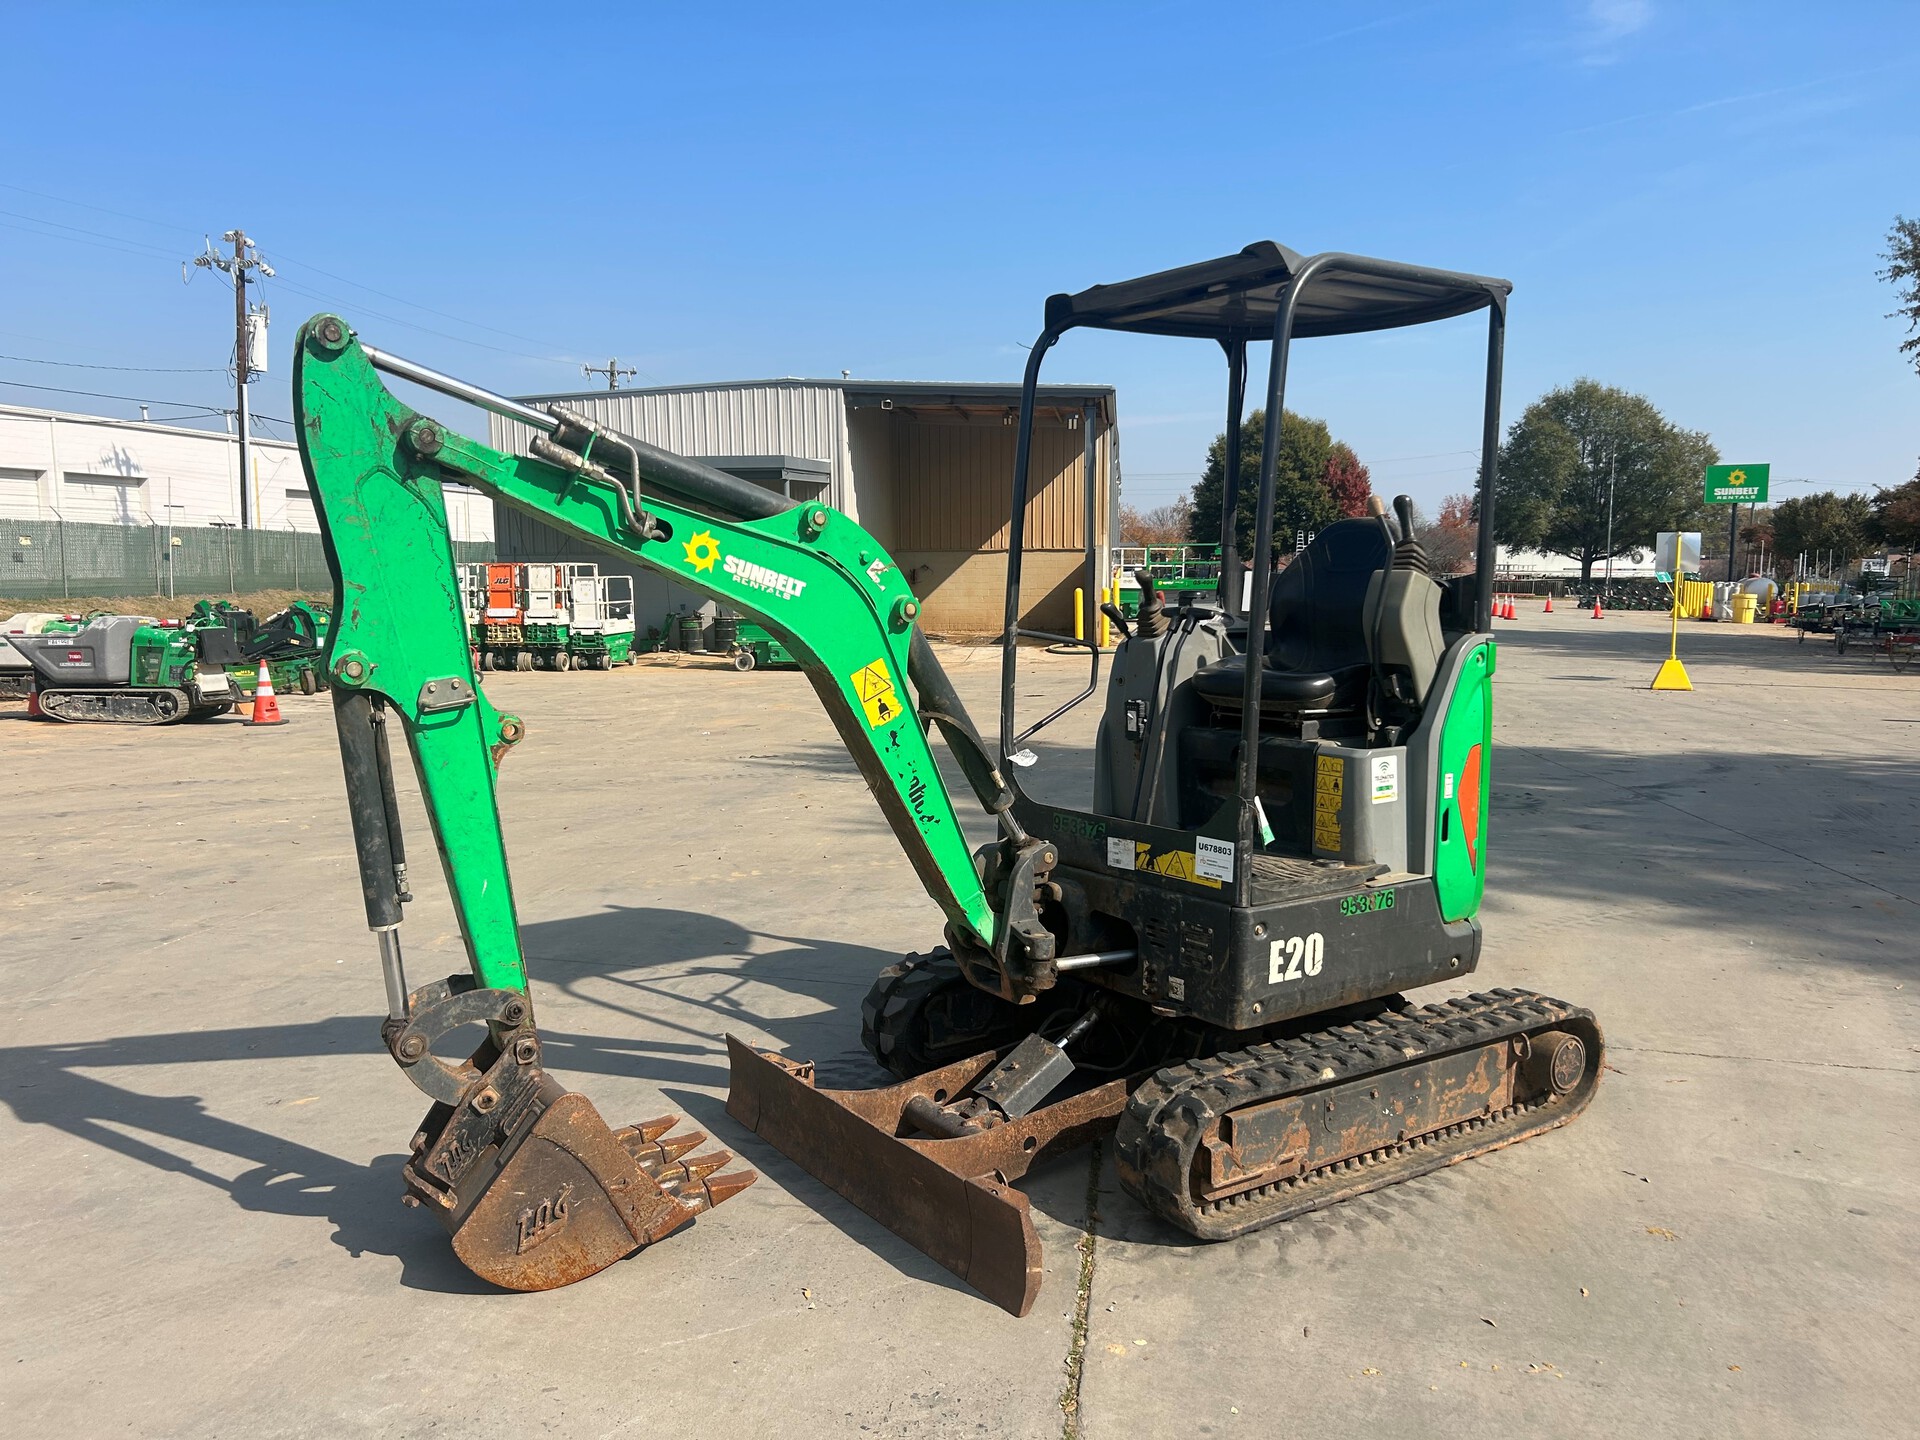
(1236, 297)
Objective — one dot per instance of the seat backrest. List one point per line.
(1314, 622)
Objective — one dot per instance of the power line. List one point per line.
(81, 230)
(325, 299)
(98, 395)
(100, 209)
(79, 235)
(137, 369)
(413, 304)
(77, 240)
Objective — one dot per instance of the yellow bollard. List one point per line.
(1079, 614)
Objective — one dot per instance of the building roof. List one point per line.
(30, 412)
(864, 394)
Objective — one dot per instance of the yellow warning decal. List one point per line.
(873, 684)
(1174, 864)
(1329, 782)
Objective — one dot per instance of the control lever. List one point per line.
(1403, 508)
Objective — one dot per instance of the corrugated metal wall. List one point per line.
(779, 418)
(956, 485)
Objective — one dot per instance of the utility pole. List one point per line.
(244, 260)
(611, 370)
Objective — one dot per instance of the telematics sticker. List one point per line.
(1386, 778)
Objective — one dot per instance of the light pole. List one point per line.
(65, 594)
(171, 507)
(227, 525)
(1611, 453)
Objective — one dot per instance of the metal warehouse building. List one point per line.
(927, 468)
(91, 469)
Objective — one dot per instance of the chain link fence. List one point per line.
(52, 559)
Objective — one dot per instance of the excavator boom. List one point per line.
(536, 1189)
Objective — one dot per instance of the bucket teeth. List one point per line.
(653, 1152)
(690, 1172)
(651, 1129)
(704, 1196)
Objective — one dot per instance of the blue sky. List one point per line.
(1690, 200)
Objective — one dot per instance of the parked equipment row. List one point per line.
(531, 615)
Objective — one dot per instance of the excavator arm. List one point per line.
(535, 1188)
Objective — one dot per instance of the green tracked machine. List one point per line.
(290, 642)
(130, 670)
(1206, 961)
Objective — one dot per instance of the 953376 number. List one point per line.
(1366, 902)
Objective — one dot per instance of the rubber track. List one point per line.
(121, 698)
(1173, 1112)
(891, 1008)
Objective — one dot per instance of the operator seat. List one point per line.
(1316, 650)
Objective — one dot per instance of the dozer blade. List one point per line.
(952, 1199)
(557, 1195)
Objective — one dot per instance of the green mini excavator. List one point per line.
(1206, 961)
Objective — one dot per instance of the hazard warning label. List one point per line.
(873, 685)
(1329, 785)
(1175, 864)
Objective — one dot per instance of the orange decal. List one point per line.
(1469, 797)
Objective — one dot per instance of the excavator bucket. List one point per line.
(564, 1196)
(951, 1198)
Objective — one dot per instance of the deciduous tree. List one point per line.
(1450, 539)
(1348, 481)
(1302, 500)
(1163, 525)
(1808, 524)
(1903, 273)
(1896, 515)
(1575, 444)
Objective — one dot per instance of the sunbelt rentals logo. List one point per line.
(703, 553)
(759, 577)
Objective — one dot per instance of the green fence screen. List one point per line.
(51, 559)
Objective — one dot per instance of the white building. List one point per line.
(87, 468)
(1540, 564)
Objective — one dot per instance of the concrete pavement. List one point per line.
(200, 1205)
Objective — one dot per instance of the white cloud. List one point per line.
(1607, 24)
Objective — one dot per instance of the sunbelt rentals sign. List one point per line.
(1737, 484)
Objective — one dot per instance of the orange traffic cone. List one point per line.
(1596, 609)
(266, 709)
(1510, 612)
(34, 712)
(1548, 608)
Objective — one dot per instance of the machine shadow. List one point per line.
(697, 976)
(1719, 839)
(46, 1085)
(49, 1085)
